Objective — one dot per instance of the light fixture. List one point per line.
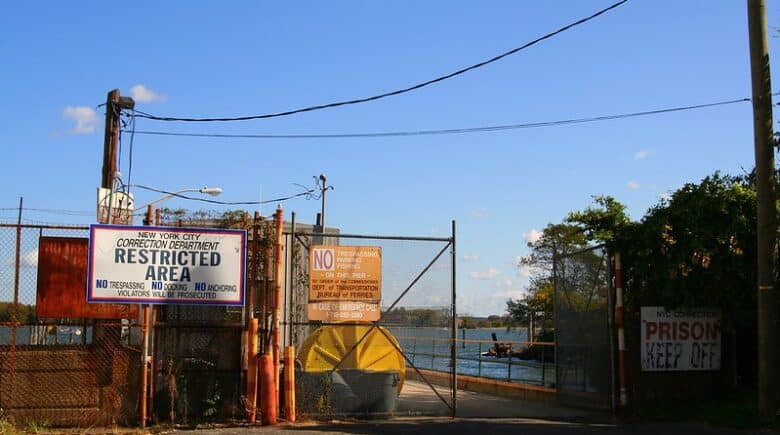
(213, 191)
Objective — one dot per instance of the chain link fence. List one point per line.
(584, 350)
(401, 364)
(78, 370)
(198, 362)
(59, 370)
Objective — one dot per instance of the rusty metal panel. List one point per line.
(62, 282)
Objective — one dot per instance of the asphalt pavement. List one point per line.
(447, 426)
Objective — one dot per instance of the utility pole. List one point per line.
(766, 213)
(323, 189)
(110, 141)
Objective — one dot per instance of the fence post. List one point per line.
(620, 321)
(454, 328)
(433, 351)
(479, 363)
(144, 345)
(14, 314)
(611, 327)
(414, 349)
(17, 263)
(509, 367)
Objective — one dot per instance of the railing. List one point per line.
(434, 353)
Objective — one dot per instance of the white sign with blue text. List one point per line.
(163, 265)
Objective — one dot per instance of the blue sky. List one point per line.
(198, 59)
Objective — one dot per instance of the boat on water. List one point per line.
(533, 352)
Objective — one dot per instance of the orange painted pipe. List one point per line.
(277, 313)
(289, 383)
(268, 398)
(251, 369)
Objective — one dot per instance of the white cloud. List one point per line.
(532, 236)
(470, 257)
(524, 271)
(28, 260)
(508, 294)
(433, 300)
(508, 282)
(441, 265)
(84, 117)
(633, 185)
(643, 154)
(142, 94)
(480, 214)
(490, 273)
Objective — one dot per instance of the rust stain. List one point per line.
(62, 283)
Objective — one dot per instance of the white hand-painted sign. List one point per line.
(680, 340)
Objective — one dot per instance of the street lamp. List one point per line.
(213, 191)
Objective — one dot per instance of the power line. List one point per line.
(51, 211)
(213, 201)
(140, 114)
(452, 130)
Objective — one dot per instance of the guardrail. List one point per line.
(434, 353)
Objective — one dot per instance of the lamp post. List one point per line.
(213, 191)
(146, 326)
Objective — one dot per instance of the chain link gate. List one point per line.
(198, 370)
(347, 374)
(582, 311)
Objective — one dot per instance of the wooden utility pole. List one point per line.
(768, 388)
(111, 140)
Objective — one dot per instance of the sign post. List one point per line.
(345, 283)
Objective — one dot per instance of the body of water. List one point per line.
(429, 348)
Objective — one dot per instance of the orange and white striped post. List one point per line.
(289, 383)
(620, 321)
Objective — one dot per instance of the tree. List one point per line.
(603, 223)
(537, 308)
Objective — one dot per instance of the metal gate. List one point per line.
(197, 353)
(584, 348)
(417, 321)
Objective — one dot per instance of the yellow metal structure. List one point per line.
(329, 344)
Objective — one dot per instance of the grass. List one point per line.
(7, 428)
(36, 426)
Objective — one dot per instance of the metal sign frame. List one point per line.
(160, 284)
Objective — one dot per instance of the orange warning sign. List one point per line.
(345, 273)
(346, 311)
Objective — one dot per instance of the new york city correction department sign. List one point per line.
(163, 265)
